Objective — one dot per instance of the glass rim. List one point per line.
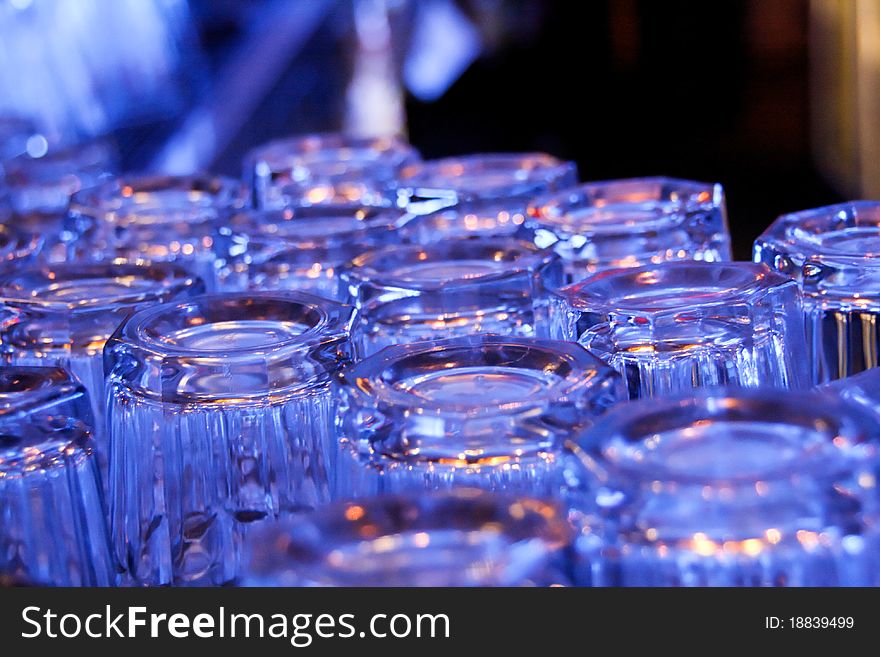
(804, 229)
(37, 385)
(428, 174)
(169, 278)
(364, 379)
(106, 201)
(640, 424)
(669, 212)
(478, 208)
(525, 258)
(287, 152)
(330, 324)
(255, 225)
(744, 279)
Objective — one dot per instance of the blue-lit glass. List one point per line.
(482, 411)
(53, 526)
(301, 248)
(457, 538)
(631, 222)
(220, 414)
(38, 186)
(160, 219)
(834, 252)
(728, 488)
(683, 325)
(62, 315)
(428, 186)
(862, 388)
(18, 245)
(326, 168)
(491, 218)
(453, 288)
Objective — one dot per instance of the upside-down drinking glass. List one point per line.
(325, 168)
(220, 414)
(491, 218)
(62, 315)
(481, 411)
(160, 219)
(38, 189)
(456, 538)
(431, 185)
(299, 248)
(458, 287)
(683, 325)
(728, 488)
(631, 222)
(834, 252)
(53, 522)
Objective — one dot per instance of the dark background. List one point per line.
(714, 91)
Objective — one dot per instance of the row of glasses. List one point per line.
(725, 487)
(203, 546)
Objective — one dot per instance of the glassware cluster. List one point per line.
(357, 368)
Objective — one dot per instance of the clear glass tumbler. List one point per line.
(453, 288)
(38, 188)
(431, 185)
(834, 252)
(683, 325)
(481, 411)
(299, 248)
(325, 168)
(728, 488)
(491, 218)
(456, 538)
(631, 222)
(220, 414)
(160, 219)
(62, 315)
(53, 522)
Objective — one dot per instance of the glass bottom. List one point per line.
(320, 281)
(398, 324)
(843, 340)
(186, 480)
